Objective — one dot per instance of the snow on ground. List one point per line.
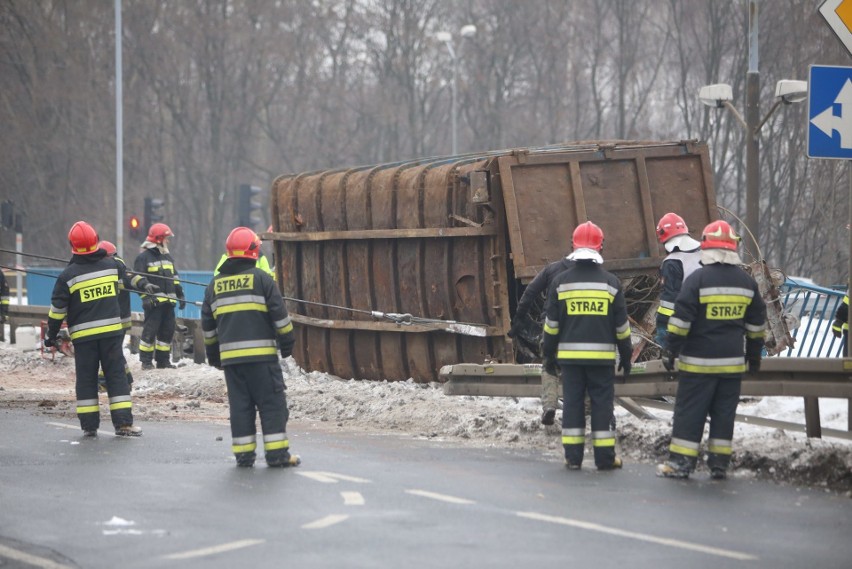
(197, 392)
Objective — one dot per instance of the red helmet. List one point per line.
(670, 225)
(243, 243)
(83, 238)
(588, 236)
(158, 233)
(719, 235)
(108, 247)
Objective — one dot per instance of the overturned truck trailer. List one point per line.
(452, 241)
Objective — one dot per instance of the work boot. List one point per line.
(717, 473)
(284, 461)
(616, 463)
(90, 432)
(672, 470)
(128, 431)
(166, 365)
(571, 465)
(147, 365)
(245, 459)
(548, 416)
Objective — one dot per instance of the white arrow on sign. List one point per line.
(828, 123)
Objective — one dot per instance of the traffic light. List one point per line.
(135, 227)
(248, 210)
(153, 212)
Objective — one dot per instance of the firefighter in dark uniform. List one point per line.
(86, 295)
(586, 322)
(718, 305)
(4, 305)
(539, 287)
(840, 326)
(681, 261)
(246, 325)
(131, 281)
(155, 345)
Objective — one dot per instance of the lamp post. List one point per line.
(446, 37)
(721, 95)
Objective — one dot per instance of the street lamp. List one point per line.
(446, 37)
(720, 95)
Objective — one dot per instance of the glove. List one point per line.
(49, 342)
(214, 359)
(285, 346)
(625, 366)
(151, 288)
(147, 303)
(181, 303)
(668, 360)
(549, 366)
(754, 365)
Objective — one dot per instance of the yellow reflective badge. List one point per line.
(587, 306)
(95, 292)
(236, 282)
(725, 311)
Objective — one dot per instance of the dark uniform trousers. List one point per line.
(88, 356)
(598, 381)
(700, 395)
(157, 333)
(259, 384)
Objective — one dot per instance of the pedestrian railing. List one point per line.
(812, 309)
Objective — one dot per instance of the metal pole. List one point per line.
(849, 289)
(119, 139)
(453, 91)
(752, 140)
(19, 280)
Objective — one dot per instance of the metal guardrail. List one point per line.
(28, 315)
(809, 378)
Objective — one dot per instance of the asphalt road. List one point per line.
(173, 498)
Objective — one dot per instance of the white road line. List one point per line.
(352, 498)
(640, 536)
(29, 559)
(64, 426)
(441, 497)
(215, 549)
(330, 477)
(326, 521)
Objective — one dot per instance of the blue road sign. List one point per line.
(830, 112)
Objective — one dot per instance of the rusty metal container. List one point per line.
(456, 239)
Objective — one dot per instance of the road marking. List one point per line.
(330, 477)
(352, 498)
(215, 549)
(326, 521)
(640, 536)
(441, 497)
(29, 559)
(64, 426)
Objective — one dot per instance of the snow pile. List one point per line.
(197, 392)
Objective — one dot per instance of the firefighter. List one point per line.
(159, 327)
(681, 261)
(586, 322)
(538, 287)
(262, 262)
(840, 326)
(4, 305)
(86, 295)
(134, 281)
(245, 325)
(718, 305)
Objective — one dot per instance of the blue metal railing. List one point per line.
(814, 307)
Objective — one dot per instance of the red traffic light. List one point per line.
(134, 222)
